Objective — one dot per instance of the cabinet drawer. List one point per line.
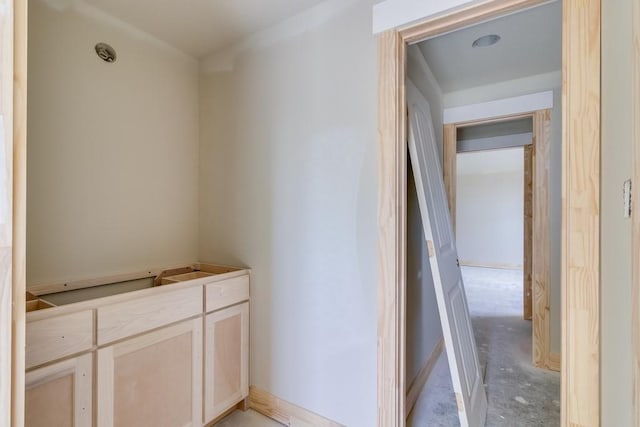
(57, 337)
(227, 292)
(128, 318)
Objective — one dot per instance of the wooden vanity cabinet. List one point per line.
(173, 355)
(60, 394)
(226, 359)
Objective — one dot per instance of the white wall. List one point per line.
(288, 187)
(490, 208)
(616, 262)
(533, 84)
(112, 157)
(423, 328)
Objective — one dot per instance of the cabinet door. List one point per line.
(226, 359)
(60, 394)
(152, 380)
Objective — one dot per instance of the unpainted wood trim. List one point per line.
(542, 242)
(421, 379)
(473, 13)
(553, 362)
(494, 120)
(392, 228)
(497, 266)
(7, 315)
(449, 168)
(527, 261)
(19, 239)
(580, 375)
(284, 412)
(635, 213)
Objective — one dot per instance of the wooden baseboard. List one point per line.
(420, 380)
(553, 361)
(285, 412)
(481, 264)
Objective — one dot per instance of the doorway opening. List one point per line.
(580, 160)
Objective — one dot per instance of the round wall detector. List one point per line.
(106, 52)
(488, 40)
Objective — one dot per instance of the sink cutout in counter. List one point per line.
(78, 295)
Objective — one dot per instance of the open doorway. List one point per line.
(497, 111)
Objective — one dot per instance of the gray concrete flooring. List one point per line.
(247, 419)
(518, 394)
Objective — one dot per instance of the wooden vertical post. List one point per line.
(527, 268)
(581, 214)
(449, 170)
(392, 226)
(19, 238)
(541, 233)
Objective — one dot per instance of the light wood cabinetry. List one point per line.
(226, 359)
(174, 354)
(154, 379)
(60, 394)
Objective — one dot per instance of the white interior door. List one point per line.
(452, 301)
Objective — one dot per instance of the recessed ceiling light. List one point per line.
(488, 40)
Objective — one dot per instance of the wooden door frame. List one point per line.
(580, 367)
(13, 109)
(536, 284)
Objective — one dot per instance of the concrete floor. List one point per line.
(247, 419)
(518, 394)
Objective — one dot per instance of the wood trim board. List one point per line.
(580, 373)
(284, 412)
(7, 287)
(421, 379)
(19, 253)
(392, 228)
(449, 168)
(580, 391)
(541, 247)
(527, 260)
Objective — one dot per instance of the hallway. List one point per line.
(518, 394)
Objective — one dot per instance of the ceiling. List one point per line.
(531, 44)
(490, 161)
(201, 27)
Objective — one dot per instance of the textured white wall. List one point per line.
(113, 150)
(289, 187)
(490, 211)
(424, 330)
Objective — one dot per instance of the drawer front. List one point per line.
(57, 337)
(128, 318)
(227, 292)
